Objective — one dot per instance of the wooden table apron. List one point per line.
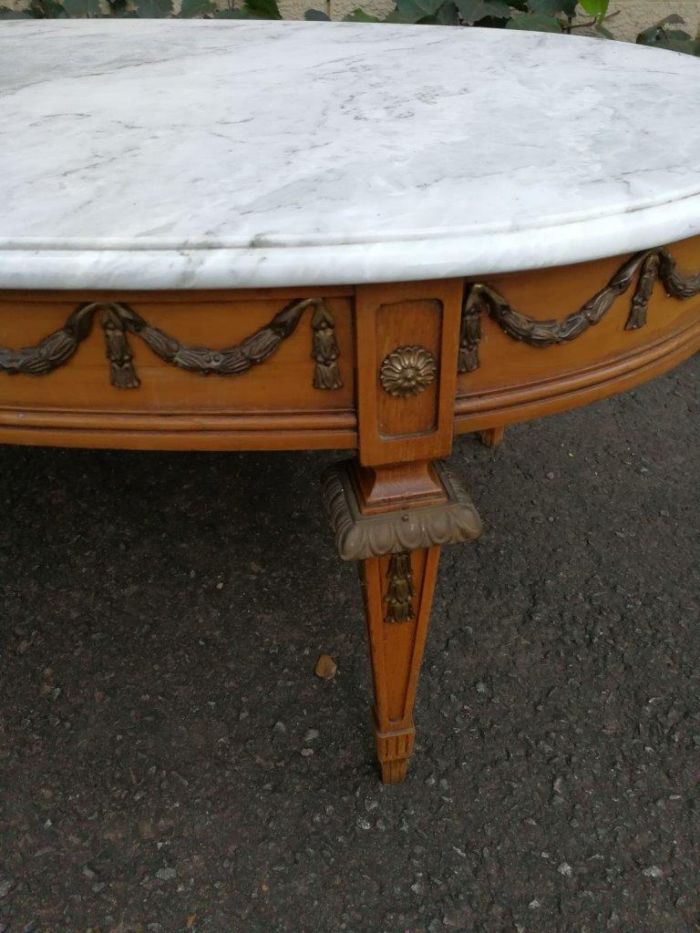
(392, 371)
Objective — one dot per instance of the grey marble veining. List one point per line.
(186, 154)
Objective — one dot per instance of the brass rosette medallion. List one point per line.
(407, 371)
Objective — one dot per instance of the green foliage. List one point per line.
(263, 9)
(146, 9)
(675, 39)
(539, 15)
(192, 9)
(472, 11)
(538, 22)
(553, 7)
(46, 9)
(153, 9)
(83, 8)
(596, 8)
(359, 16)
(418, 11)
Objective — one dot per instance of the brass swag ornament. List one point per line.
(405, 372)
(649, 267)
(119, 320)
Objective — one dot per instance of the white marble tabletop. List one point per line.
(198, 154)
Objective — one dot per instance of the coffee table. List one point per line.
(368, 238)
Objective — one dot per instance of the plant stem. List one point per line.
(593, 22)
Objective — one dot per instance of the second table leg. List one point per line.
(398, 594)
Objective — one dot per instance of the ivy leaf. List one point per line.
(396, 16)
(418, 8)
(46, 9)
(154, 9)
(193, 8)
(448, 15)
(263, 9)
(534, 22)
(677, 34)
(472, 11)
(416, 11)
(82, 8)
(316, 16)
(656, 34)
(359, 16)
(120, 8)
(597, 8)
(674, 39)
(552, 7)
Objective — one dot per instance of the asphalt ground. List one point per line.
(169, 761)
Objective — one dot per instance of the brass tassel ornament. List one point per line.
(325, 350)
(123, 374)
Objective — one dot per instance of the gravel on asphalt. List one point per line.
(169, 762)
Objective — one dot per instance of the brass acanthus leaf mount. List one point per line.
(359, 536)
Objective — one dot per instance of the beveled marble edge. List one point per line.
(352, 264)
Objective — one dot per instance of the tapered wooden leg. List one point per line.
(492, 437)
(397, 505)
(398, 593)
(398, 551)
